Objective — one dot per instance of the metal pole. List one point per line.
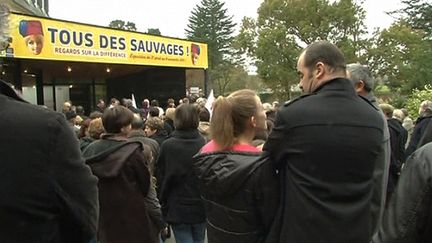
(206, 83)
(39, 88)
(17, 76)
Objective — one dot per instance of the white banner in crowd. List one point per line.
(133, 102)
(209, 103)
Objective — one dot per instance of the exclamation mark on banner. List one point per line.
(187, 50)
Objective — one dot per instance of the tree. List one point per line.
(153, 31)
(418, 15)
(285, 27)
(209, 22)
(239, 79)
(402, 57)
(120, 24)
(234, 77)
(402, 53)
(417, 96)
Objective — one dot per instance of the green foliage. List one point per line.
(382, 90)
(418, 14)
(120, 24)
(285, 27)
(398, 101)
(4, 27)
(245, 41)
(153, 31)
(416, 98)
(402, 56)
(254, 82)
(209, 22)
(402, 53)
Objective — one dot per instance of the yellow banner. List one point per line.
(47, 39)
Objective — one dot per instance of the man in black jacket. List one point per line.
(363, 82)
(418, 136)
(48, 194)
(408, 218)
(325, 145)
(398, 137)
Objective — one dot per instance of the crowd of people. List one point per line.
(333, 165)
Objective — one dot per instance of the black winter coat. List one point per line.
(419, 130)
(139, 135)
(241, 195)
(47, 193)
(398, 137)
(326, 145)
(178, 185)
(426, 135)
(160, 136)
(408, 218)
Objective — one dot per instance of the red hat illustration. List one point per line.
(196, 49)
(30, 27)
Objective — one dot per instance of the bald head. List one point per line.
(325, 52)
(319, 63)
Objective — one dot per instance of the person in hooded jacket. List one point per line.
(124, 182)
(179, 194)
(240, 189)
(398, 137)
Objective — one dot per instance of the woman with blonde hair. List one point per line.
(239, 188)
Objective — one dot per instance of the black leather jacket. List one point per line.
(408, 218)
(240, 193)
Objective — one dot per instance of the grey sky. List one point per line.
(171, 16)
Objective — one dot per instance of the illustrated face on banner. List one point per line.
(49, 39)
(195, 53)
(34, 43)
(32, 32)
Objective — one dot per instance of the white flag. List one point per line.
(133, 102)
(209, 103)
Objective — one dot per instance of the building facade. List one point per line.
(33, 7)
(51, 61)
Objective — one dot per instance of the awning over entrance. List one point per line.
(50, 39)
(52, 61)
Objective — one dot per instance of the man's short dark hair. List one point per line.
(154, 103)
(154, 111)
(186, 117)
(137, 122)
(79, 110)
(114, 100)
(115, 118)
(70, 115)
(204, 114)
(326, 52)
